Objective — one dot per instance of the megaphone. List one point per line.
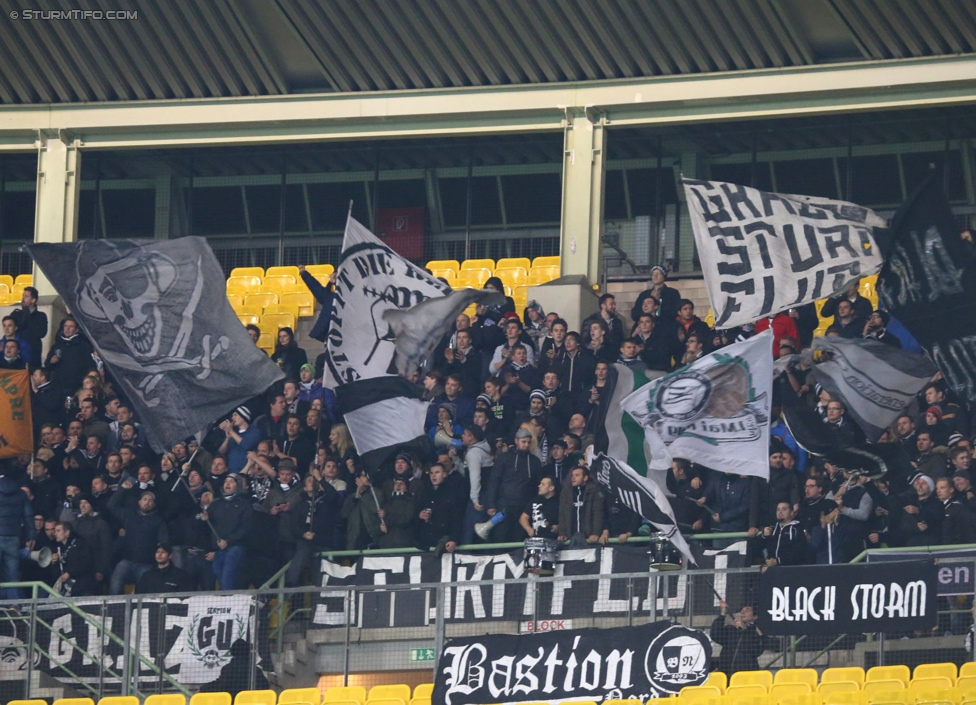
(42, 557)
(485, 527)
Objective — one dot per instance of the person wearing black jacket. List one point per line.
(655, 349)
(514, 480)
(70, 358)
(439, 502)
(165, 577)
(76, 563)
(231, 517)
(578, 367)
(924, 513)
(686, 485)
(143, 528)
(324, 295)
(31, 323)
(741, 640)
(312, 523)
(399, 515)
(16, 522)
(667, 298)
(784, 543)
(47, 403)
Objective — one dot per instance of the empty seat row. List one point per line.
(492, 265)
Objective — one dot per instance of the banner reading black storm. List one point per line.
(848, 598)
(584, 586)
(650, 661)
(16, 434)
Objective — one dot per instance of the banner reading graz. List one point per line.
(848, 598)
(653, 660)
(190, 638)
(585, 590)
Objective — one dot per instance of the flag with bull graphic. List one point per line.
(388, 316)
(715, 410)
(157, 313)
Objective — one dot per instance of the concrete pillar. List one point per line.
(58, 190)
(688, 167)
(582, 201)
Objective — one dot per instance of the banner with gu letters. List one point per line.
(651, 661)
(762, 253)
(213, 625)
(900, 596)
(715, 410)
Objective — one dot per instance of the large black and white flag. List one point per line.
(762, 253)
(641, 494)
(875, 381)
(388, 316)
(157, 313)
(929, 284)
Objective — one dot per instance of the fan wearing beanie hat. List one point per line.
(239, 438)
(877, 328)
(924, 513)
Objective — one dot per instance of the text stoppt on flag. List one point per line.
(763, 253)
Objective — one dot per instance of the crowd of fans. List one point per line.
(513, 403)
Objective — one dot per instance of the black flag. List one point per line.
(928, 282)
(157, 313)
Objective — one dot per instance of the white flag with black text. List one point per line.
(388, 315)
(762, 253)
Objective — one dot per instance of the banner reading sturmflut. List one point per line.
(653, 660)
(716, 410)
(762, 253)
(388, 316)
(157, 313)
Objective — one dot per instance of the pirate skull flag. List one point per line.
(157, 313)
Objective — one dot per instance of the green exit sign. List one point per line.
(421, 654)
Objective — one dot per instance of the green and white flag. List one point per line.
(714, 411)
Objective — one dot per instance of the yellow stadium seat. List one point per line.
(811, 698)
(303, 695)
(320, 271)
(386, 701)
(763, 678)
(650, 701)
(451, 264)
(251, 309)
(520, 295)
(508, 262)
(261, 300)
(4, 289)
(949, 696)
(356, 693)
(303, 301)
(251, 284)
(9, 299)
(248, 319)
(420, 701)
(933, 670)
(281, 308)
(710, 318)
(255, 697)
(542, 275)
(719, 680)
(279, 284)
(966, 683)
(849, 697)
(210, 699)
(831, 687)
(7, 280)
(74, 701)
(968, 669)
(235, 301)
(398, 691)
(783, 690)
(248, 272)
(932, 683)
(488, 264)
(889, 673)
(122, 700)
(288, 270)
(550, 261)
(890, 697)
(876, 686)
(27, 702)
(277, 321)
(166, 699)
(736, 692)
(25, 279)
(18, 290)
(425, 690)
(236, 290)
(621, 702)
(797, 675)
(695, 692)
(447, 274)
(475, 278)
(512, 276)
(847, 673)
